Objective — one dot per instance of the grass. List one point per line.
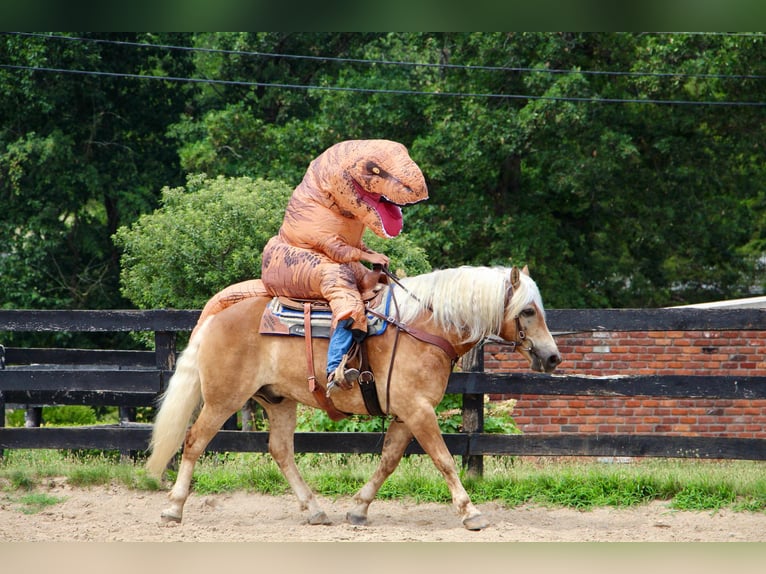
(37, 501)
(581, 483)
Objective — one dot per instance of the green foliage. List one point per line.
(73, 415)
(611, 204)
(315, 420)
(497, 419)
(583, 483)
(205, 236)
(79, 156)
(704, 496)
(70, 415)
(35, 502)
(584, 155)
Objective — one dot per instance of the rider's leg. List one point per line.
(340, 342)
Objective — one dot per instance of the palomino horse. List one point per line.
(227, 362)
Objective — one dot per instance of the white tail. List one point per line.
(182, 397)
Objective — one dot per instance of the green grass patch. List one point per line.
(581, 483)
(35, 502)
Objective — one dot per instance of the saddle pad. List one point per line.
(279, 319)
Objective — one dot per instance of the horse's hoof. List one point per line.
(320, 518)
(170, 518)
(477, 522)
(356, 519)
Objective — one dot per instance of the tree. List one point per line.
(625, 169)
(80, 155)
(535, 154)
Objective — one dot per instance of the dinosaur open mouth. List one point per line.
(390, 214)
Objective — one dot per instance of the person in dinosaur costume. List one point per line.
(318, 251)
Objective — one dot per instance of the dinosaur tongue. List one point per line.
(390, 214)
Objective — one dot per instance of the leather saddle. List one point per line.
(285, 315)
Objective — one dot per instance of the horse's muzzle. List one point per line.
(545, 364)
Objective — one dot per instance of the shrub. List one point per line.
(204, 237)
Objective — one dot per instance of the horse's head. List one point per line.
(524, 323)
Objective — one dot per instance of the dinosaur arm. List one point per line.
(339, 250)
(373, 256)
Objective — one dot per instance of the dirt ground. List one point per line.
(114, 513)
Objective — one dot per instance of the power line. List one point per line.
(466, 67)
(384, 91)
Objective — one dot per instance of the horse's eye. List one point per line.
(528, 312)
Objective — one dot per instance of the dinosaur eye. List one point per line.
(376, 170)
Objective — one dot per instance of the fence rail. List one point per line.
(136, 378)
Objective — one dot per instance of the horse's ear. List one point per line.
(515, 277)
(525, 270)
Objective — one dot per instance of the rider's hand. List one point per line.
(375, 258)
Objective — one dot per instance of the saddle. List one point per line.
(285, 316)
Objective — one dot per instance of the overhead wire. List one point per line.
(592, 99)
(402, 63)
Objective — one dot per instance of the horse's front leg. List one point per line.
(282, 419)
(426, 429)
(397, 438)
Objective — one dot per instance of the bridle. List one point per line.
(517, 344)
(521, 336)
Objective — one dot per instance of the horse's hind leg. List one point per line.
(282, 417)
(199, 436)
(397, 438)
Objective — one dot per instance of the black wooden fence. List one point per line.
(129, 379)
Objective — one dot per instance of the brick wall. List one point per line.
(641, 353)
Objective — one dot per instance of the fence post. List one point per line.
(165, 352)
(33, 417)
(473, 409)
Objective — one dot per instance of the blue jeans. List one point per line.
(340, 343)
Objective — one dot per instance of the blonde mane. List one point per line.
(470, 300)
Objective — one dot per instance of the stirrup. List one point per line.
(342, 378)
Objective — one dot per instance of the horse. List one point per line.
(227, 362)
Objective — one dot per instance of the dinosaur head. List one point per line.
(370, 180)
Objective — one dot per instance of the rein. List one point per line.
(420, 334)
(395, 279)
(415, 332)
(424, 336)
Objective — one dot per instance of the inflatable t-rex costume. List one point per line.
(316, 254)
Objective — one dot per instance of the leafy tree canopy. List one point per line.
(80, 155)
(626, 169)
